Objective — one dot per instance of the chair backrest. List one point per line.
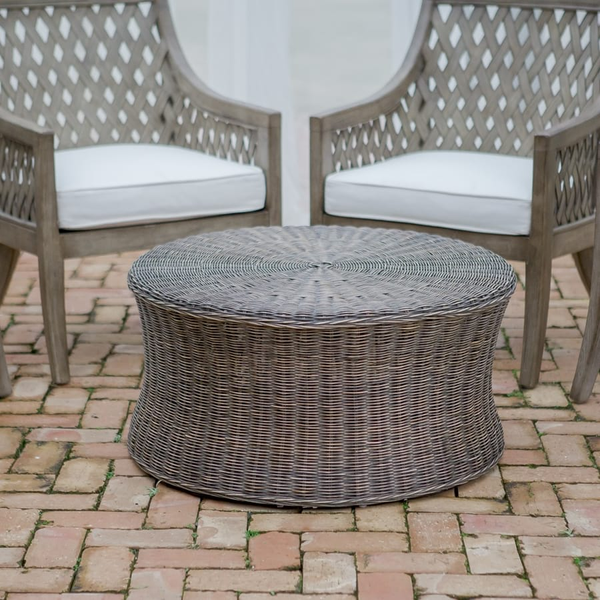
(93, 73)
(493, 73)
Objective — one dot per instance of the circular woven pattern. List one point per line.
(320, 275)
(318, 366)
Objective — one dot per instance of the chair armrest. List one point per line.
(574, 130)
(21, 130)
(573, 160)
(26, 166)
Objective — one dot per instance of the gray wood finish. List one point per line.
(588, 362)
(78, 73)
(8, 263)
(511, 77)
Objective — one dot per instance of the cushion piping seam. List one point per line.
(456, 194)
(155, 184)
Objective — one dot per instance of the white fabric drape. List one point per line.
(256, 50)
(249, 60)
(404, 15)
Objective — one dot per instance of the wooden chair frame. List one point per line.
(588, 363)
(192, 116)
(565, 151)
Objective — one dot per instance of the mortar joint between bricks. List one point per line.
(38, 525)
(77, 564)
(524, 575)
(104, 486)
(22, 444)
(124, 319)
(405, 518)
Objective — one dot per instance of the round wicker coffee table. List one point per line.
(318, 366)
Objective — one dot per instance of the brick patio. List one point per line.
(79, 520)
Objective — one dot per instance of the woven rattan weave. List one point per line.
(322, 366)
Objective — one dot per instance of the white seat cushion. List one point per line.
(471, 191)
(130, 184)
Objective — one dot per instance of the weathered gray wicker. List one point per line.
(322, 366)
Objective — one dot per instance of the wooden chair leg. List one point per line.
(52, 286)
(537, 298)
(588, 363)
(583, 262)
(5, 386)
(8, 262)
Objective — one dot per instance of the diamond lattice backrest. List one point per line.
(94, 74)
(494, 75)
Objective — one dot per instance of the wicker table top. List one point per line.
(307, 276)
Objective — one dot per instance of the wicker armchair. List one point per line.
(84, 84)
(516, 82)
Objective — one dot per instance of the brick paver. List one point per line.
(555, 577)
(55, 547)
(385, 586)
(385, 517)
(65, 401)
(411, 562)
(221, 529)
(434, 532)
(536, 498)
(103, 569)
(171, 508)
(82, 475)
(40, 457)
(10, 557)
(275, 550)
(156, 584)
(492, 554)
(80, 520)
(328, 573)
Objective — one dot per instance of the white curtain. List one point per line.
(249, 59)
(404, 15)
(298, 57)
